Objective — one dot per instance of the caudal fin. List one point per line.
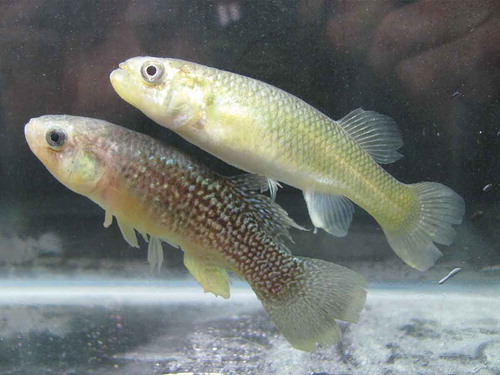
(437, 209)
(324, 292)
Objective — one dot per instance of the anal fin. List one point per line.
(331, 212)
(212, 278)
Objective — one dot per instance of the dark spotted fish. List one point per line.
(222, 224)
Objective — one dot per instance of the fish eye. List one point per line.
(152, 71)
(55, 137)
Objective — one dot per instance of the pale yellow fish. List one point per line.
(221, 223)
(264, 130)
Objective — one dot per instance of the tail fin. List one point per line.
(437, 210)
(323, 292)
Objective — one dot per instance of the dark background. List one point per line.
(432, 66)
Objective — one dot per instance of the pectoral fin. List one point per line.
(232, 114)
(213, 279)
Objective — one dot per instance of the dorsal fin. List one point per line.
(250, 182)
(273, 187)
(255, 182)
(273, 219)
(377, 134)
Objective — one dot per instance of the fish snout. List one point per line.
(117, 76)
(30, 130)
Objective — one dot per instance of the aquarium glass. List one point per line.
(76, 298)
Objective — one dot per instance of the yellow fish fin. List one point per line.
(212, 278)
(437, 209)
(331, 212)
(170, 242)
(144, 237)
(108, 218)
(128, 232)
(377, 134)
(155, 254)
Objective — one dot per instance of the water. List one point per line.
(75, 299)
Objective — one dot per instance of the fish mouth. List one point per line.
(29, 134)
(120, 80)
(27, 130)
(126, 86)
(117, 76)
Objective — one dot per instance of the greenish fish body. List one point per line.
(264, 130)
(222, 224)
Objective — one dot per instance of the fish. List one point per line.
(222, 224)
(266, 131)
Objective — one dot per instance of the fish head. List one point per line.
(68, 149)
(169, 91)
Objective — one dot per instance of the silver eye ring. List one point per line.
(152, 71)
(56, 138)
